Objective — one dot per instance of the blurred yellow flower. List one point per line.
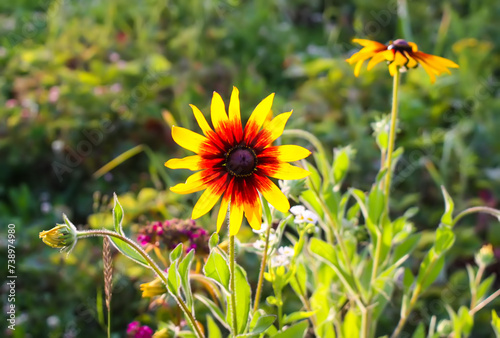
(399, 53)
(153, 288)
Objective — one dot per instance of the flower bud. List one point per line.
(485, 255)
(153, 288)
(62, 236)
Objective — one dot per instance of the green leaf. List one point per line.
(430, 269)
(444, 238)
(324, 250)
(340, 165)
(216, 311)
(447, 217)
(466, 320)
(495, 323)
(261, 326)
(420, 331)
(184, 267)
(406, 247)
(313, 180)
(296, 331)
(173, 280)
(213, 329)
(176, 253)
(117, 215)
(128, 251)
(299, 283)
(408, 280)
(376, 204)
(243, 299)
(217, 269)
(351, 327)
(213, 241)
(299, 315)
(484, 287)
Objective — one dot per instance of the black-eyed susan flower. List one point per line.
(235, 163)
(399, 54)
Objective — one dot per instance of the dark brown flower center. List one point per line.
(400, 45)
(241, 161)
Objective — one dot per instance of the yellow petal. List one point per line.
(234, 107)
(253, 214)
(441, 61)
(412, 63)
(202, 122)
(286, 153)
(357, 68)
(277, 125)
(399, 60)
(431, 72)
(286, 171)
(206, 201)
(377, 58)
(218, 112)
(414, 47)
(193, 183)
(260, 112)
(273, 194)
(221, 217)
(369, 43)
(188, 139)
(235, 217)
(190, 162)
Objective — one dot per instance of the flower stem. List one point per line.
(258, 292)
(232, 284)
(392, 137)
(190, 317)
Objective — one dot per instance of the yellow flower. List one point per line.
(485, 256)
(236, 163)
(63, 236)
(399, 53)
(153, 288)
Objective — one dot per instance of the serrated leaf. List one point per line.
(117, 215)
(447, 217)
(128, 251)
(296, 331)
(299, 315)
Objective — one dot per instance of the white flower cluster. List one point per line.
(283, 257)
(303, 215)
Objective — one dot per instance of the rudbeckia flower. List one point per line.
(236, 163)
(399, 53)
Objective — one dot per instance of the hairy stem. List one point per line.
(258, 292)
(392, 137)
(232, 285)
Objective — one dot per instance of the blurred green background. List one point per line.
(85, 81)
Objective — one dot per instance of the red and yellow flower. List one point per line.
(236, 163)
(399, 54)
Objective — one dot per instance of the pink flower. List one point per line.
(143, 239)
(133, 327)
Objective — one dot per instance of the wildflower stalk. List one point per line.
(392, 137)
(108, 277)
(103, 233)
(258, 291)
(232, 285)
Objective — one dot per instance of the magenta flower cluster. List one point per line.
(135, 330)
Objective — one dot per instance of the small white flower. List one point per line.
(279, 260)
(262, 230)
(286, 251)
(297, 210)
(310, 217)
(259, 245)
(272, 238)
